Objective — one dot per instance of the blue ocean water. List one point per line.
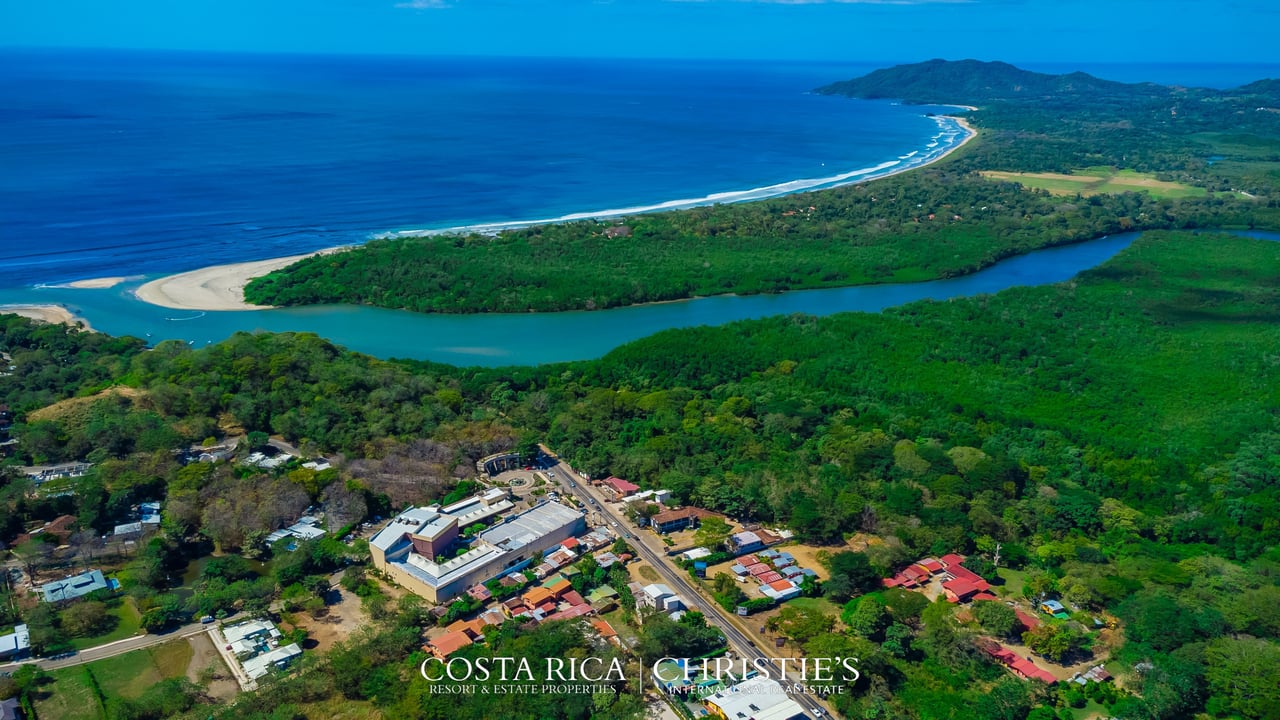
(126, 163)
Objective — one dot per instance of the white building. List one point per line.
(15, 643)
(279, 658)
(758, 698)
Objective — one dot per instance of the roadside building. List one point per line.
(15, 644)
(758, 698)
(411, 548)
(617, 488)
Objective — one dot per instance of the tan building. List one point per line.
(412, 548)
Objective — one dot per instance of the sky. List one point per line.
(1093, 31)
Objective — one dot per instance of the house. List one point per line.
(670, 521)
(16, 643)
(150, 512)
(307, 528)
(132, 529)
(250, 638)
(11, 709)
(758, 569)
(739, 570)
(618, 231)
(769, 577)
(277, 659)
(1022, 667)
(75, 586)
(607, 633)
(657, 497)
(780, 590)
(448, 644)
(660, 597)
(744, 542)
(695, 554)
(1029, 621)
(619, 488)
(575, 611)
(606, 559)
(1097, 673)
(603, 597)
(480, 592)
(1054, 608)
(473, 628)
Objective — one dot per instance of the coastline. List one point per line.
(221, 287)
(52, 314)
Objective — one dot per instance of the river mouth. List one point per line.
(495, 340)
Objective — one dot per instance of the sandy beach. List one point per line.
(46, 313)
(220, 287)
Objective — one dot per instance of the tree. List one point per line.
(897, 640)
(851, 574)
(868, 618)
(33, 553)
(1244, 676)
(1053, 640)
(996, 618)
(87, 619)
(712, 532)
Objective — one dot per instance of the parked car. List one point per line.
(206, 619)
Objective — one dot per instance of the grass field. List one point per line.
(130, 622)
(1099, 180)
(71, 695)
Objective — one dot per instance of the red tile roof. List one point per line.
(770, 577)
(573, 612)
(748, 560)
(758, 569)
(449, 643)
(573, 598)
(1028, 621)
(621, 485)
(606, 630)
(781, 585)
(933, 566)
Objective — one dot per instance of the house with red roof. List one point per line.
(619, 488)
(1022, 667)
(449, 643)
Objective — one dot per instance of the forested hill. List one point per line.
(974, 81)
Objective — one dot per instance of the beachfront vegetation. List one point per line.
(1155, 157)
(1116, 433)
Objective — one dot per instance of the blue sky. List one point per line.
(847, 30)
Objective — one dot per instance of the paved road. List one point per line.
(118, 647)
(744, 646)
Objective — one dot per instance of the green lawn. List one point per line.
(130, 623)
(127, 675)
(818, 604)
(69, 697)
(1013, 581)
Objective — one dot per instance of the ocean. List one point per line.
(135, 163)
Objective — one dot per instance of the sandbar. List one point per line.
(220, 287)
(97, 283)
(54, 314)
